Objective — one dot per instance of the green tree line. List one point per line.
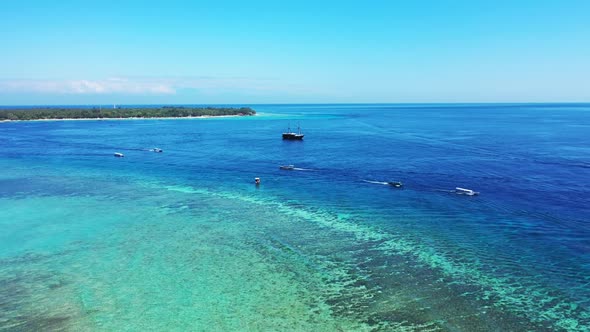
(112, 113)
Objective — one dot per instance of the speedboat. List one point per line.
(463, 191)
(157, 150)
(287, 167)
(395, 184)
(119, 155)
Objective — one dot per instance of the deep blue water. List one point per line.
(516, 257)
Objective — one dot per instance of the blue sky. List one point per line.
(105, 52)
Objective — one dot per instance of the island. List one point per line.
(78, 113)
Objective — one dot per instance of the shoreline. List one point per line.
(134, 118)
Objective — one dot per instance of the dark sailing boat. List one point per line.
(292, 135)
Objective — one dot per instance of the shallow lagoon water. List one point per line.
(183, 240)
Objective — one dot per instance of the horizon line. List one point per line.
(320, 103)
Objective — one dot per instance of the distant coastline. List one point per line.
(137, 113)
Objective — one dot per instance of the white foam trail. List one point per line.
(444, 190)
(375, 182)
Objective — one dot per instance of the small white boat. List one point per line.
(157, 150)
(463, 191)
(119, 155)
(287, 167)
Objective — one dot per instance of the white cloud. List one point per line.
(106, 86)
(139, 86)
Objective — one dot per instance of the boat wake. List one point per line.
(376, 182)
(390, 183)
(458, 191)
(293, 168)
(444, 190)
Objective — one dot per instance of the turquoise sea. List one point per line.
(184, 241)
